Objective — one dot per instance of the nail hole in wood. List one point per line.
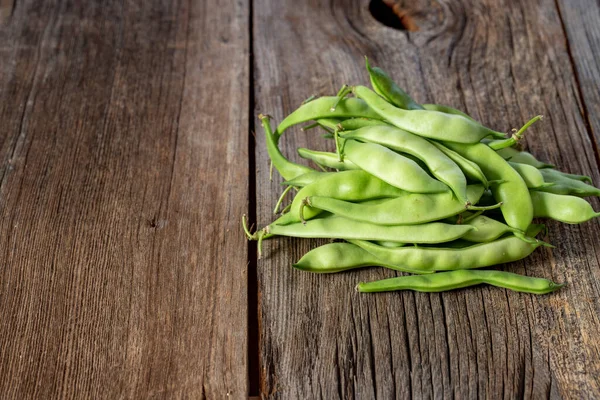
(391, 14)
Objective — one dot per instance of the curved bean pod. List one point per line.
(335, 227)
(447, 110)
(287, 169)
(511, 191)
(567, 209)
(531, 175)
(564, 184)
(354, 185)
(481, 255)
(337, 257)
(468, 167)
(352, 124)
(440, 165)
(445, 281)
(321, 108)
(488, 229)
(430, 124)
(392, 167)
(521, 157)
(407, 208)
(327, 159)
(386, 87)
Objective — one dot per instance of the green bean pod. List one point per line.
(326, 159)
(384, 86)
(511, 191)
(440, 165)
(352, 124)
(356, 185)
(430, 124)
(447, 110)
(488, 229)
(338, 257)
(522, 157)
(567, 209)
(287, 169)
(565, 184)
(468, 167)
(335, 227)
(392, 167)
(500, 251)
(321, 108)
(306, 178)
(531, 175)
(444, 281)
(407, 208)
(582, 178)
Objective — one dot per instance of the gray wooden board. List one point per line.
(123, 151)
(502, 62)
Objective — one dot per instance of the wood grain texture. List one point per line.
(502, 62)
(123, 150)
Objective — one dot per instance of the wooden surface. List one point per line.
(502, 62)
(126, 161)
(124, 173)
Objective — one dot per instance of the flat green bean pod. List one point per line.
(337, 257)
(564, 184)
(335, 227)
(521, 157)
(567, 209)
(406, 208)
(468, 167)
(440, 165)
(512, 191)
(384, 86)
(430, 124)
(307, 178)
(531, 175)
(500, 251)
(321, 108)
(582, 178)
(352, 124)
(488, 229)
(392, 167)
(326, 159)
(353, 185)
(444, 281)
(447, 110)
(287, 169)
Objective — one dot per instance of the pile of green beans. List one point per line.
(420, 189)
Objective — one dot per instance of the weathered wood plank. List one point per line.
(502, 62)
(123, 145)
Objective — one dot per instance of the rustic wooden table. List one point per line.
(127, 160)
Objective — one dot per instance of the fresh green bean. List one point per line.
(567, 209)
(356, 185)
(531, 175)
(444, 281)
(500, 251)
(521, 157)
(512, 191)
(407, 208)
(468, 167)
(440, 165)
(488, 229)
(564, 184)
(335, 227)
(321, 108)
(306, 179)
(447, 110)
(430, 124)
(327, 159)
(392, 167)
(352, 124)
(582, 178)
(337, 257)
(386, 87)
(287, 169)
